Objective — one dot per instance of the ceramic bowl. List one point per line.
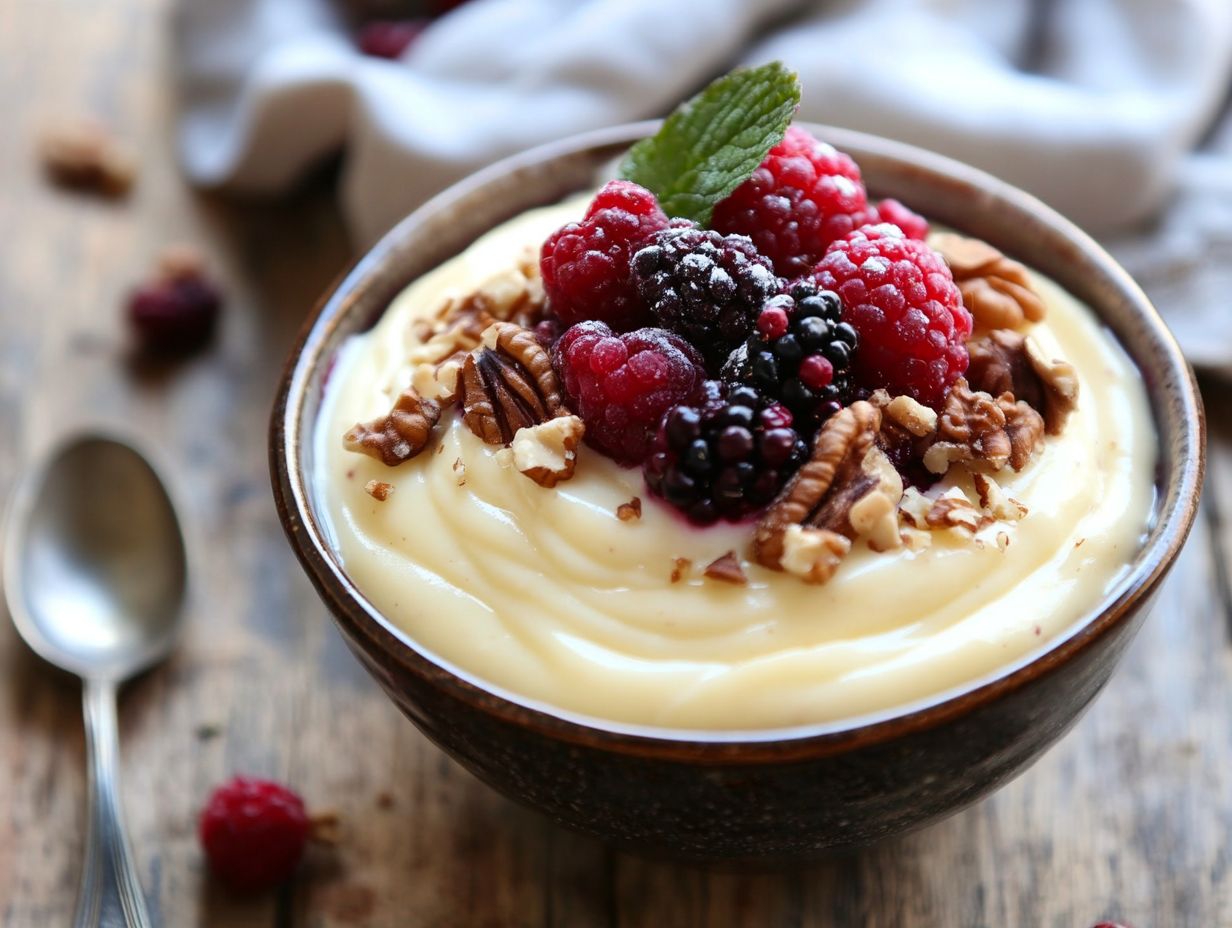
(718, 797)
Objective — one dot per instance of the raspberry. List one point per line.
(705, 286)
(801, 354)
(900, 297)
(175, 312)
(253, 832)
(585, 264)
(725, 456)
(389, 38)
(621, 384)
(912, 223)
(804, 195)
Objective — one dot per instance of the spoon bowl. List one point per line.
(95, 566)
(95, 577)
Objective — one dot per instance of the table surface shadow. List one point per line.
(1126, 819)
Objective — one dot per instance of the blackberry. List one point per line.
(800, 355)
(725, 456)
(705, 286)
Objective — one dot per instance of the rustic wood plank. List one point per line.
(1127, 818)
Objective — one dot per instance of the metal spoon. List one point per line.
(95, 573)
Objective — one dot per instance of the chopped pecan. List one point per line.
(399, 435)
(630, 511)
(994, 501)
(976, 428)
(1008, 362)
(547, 452)
(812, 554)
(842, 489)
(680, 568)
(456, 326)
(1060, 381)
(726, 568)
(379, 490)
(996, 289)
(508, 384)
(954, 510)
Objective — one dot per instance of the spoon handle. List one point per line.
(110, 894)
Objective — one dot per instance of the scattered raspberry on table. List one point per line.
(622, 384)
(805, 195)
(900, 297)
(253, 832)
(585, 264)
(176, 311)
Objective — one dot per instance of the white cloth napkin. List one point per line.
(1094, 105)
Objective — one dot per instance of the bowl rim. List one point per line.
(351, 609)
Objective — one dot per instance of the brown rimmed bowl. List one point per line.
(772, 795)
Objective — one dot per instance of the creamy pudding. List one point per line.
(578, 597)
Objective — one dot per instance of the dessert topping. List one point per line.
(812, 554)
(547, 452)
(508, 384)
(399, 435)
(827, 491)
(994, 501)
(975, 427)
(953, 510)
(379, 490)
(726, 568)
(801, 354)
(621, 385)
(1005, 361)
(995, 288)
(515, 295)
(630, 511)
(899, 296)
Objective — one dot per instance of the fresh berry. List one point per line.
(912, 223)
(900, 297)
(724, 456)
(621, 384)
(705, 286)
(176, 311)
(585, 264)
(801, 355)
(253, 832)
(389, 38)
(804, 195)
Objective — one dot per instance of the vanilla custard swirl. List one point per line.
(547, 595)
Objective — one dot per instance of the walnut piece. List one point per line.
(456, 326)
(630, 511)
(912, 415)
(976, 428)
(399, 435)
(508, 384)
(813, 554)
(680, 568)
(996, 289)
(81, 155)
(953, 510)
(726, 568)
(995, 502)
(848, 488)
(1007, 362)
(547, 452)
(379, 490)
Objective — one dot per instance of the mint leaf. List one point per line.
(710, 145)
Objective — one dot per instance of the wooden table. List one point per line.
(1127, 818)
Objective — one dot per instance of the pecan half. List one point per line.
(997, 290)
(1008, 362)
(399, 435)
(508, 384)
(843, 491)
(974, 427)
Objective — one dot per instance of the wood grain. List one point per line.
(1126, 819)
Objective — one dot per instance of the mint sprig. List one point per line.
(713, 143)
